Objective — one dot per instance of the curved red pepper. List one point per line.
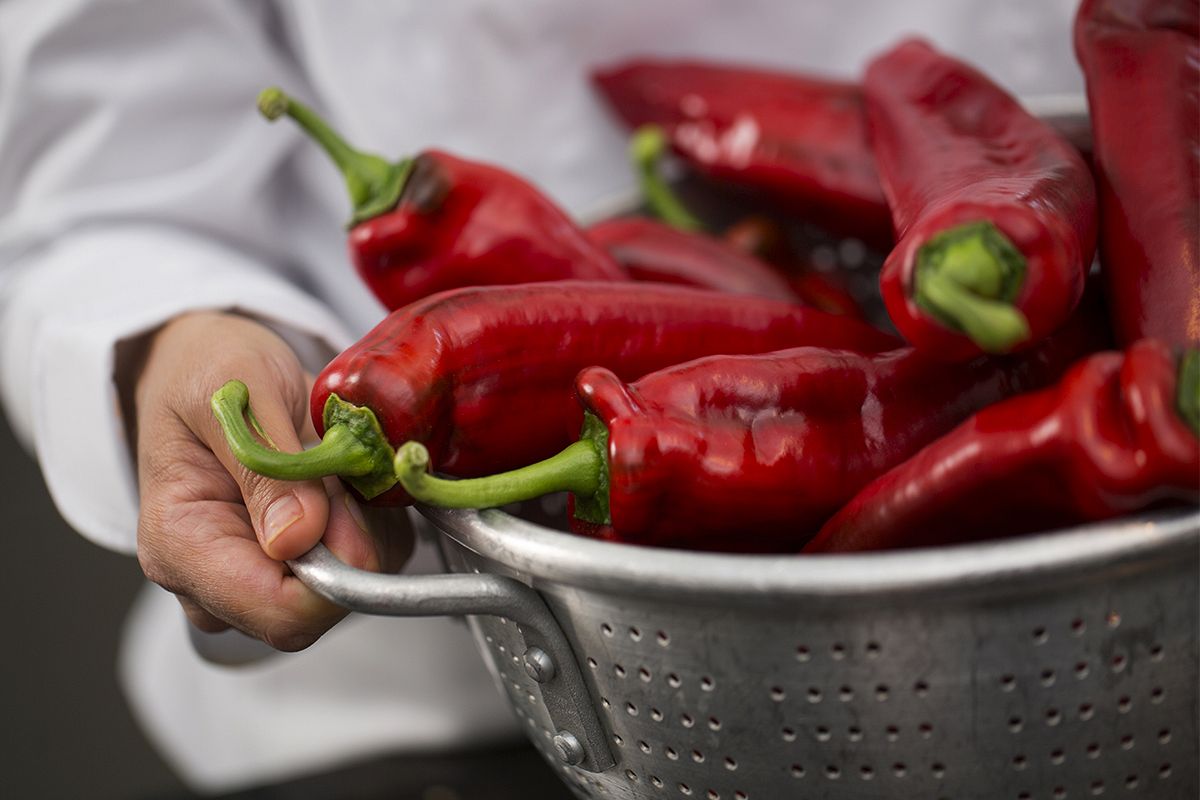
(1141, 59)
(439, 222)
(1106, 440)
(752, 452)
(989, 203)
(801, 140)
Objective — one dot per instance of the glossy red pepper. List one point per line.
(1116, 435)
(751, 452)
(483, 375)
(799, 139)
(995, 213)
(1141, 59)
(438, 222)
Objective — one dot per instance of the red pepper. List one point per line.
(800, 140)
(438, 222)
(750, 452)
(1116, 435)
(995, 213)
(1141, 59)
(483, 375)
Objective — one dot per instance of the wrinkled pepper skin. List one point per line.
(953, 148)
(483, 375)
(1141, 59)
(463, 223)
(800, 140)
(754, 453)
(650, 250)
(1105, 441)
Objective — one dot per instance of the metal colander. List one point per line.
(1062, 665)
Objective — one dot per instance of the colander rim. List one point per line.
(546, 554)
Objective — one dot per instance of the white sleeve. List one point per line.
(136, 183)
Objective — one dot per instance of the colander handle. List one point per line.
(581, 740)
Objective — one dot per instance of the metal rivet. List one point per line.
(570, 751)
(539, 665)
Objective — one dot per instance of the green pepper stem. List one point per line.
(646, 149)
(967, 277)
(1187, 392)
(576, 469)
(353, 446)
(373, 182)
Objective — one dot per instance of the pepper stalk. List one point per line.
(646, 149)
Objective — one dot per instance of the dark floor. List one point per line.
(65, 729)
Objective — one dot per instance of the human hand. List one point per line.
(216, 534)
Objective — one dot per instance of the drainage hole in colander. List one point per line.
(685, 789)
(866, 773)
(797, 771)
(939, 770)
(631, 709)
(707, 683)
(631, 775)
(1131, 782)
(644, 746)
(730, 764)
(925, 729)
(1127, 742)
(1086, 712)
(789, 734)
(803, 653)
(837, 651)
(1057, 757)
(686, 720)
(823, 734)
(778, 694)
(712, 794)
(892, 733)
(845, 694)
(671, 753)
(1019, 762)
(1156, 653)
(1164, 771)
(656, 715)
(921, 688)
(899, 769)
(663, 639)
(1015, 724)
(656, 782)
(673, 681)
(873, 649)
(854, 734)
(1048, 678)
(881, 692)
(1157, 694)
(1078, 626)
(1093, 750)
(697, 756)
(1040, 635)
(635, 634)
(592, 663)
(1082, 670)
(1053, 717)
(1124, 704)
(1164, 736)
(606, 629)
(604, 702)
(832, 772)
(1060, 792)
(1097, 787)
(618, 741)
(814, 695)
(618, 670)
(1119, 662)
(1008, 682)
(644, 674)
(739, 795)
(714, 724)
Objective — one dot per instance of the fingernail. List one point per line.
(284, 512)
(356, 512)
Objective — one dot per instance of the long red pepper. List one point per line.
(799, 139)
(995, 213)
(483, 375)
(751, 452)
(436, 222)
(1116, 435)
(1141, 59)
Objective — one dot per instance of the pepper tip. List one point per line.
(272, 103)
(412, 458)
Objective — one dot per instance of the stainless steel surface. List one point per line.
(1059, 665)
(562, 693)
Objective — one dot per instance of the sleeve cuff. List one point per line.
(61, 319)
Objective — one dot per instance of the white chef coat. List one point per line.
(137, 181)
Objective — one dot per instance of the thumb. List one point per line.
(288, 517)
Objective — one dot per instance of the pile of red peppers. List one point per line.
(701, 381)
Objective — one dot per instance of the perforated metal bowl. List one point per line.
(1062, 665)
